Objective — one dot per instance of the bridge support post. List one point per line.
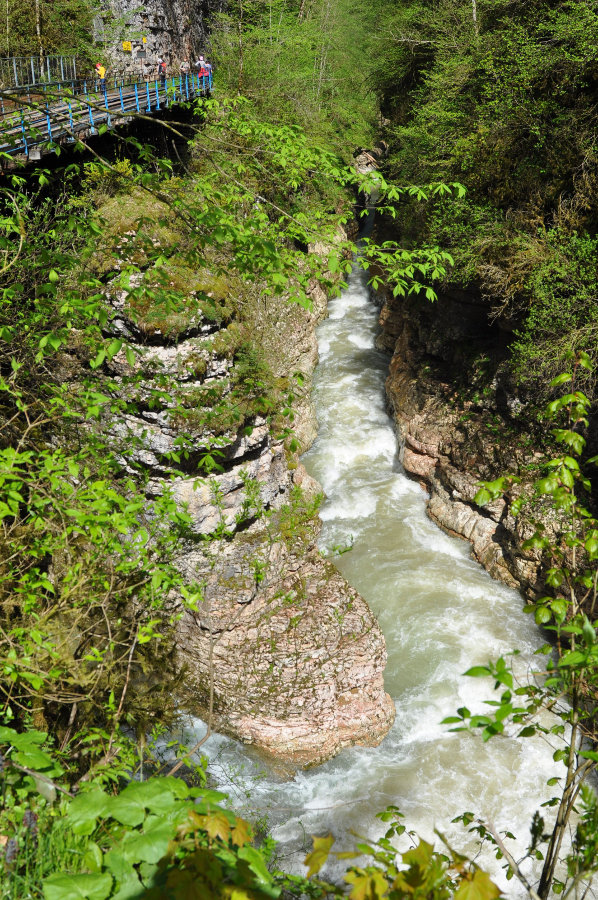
(109, 120)
(26, 148)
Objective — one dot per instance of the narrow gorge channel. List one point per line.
(440, 613)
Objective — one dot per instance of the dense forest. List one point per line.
(211, 224)
(504, 100)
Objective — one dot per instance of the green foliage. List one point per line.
(66, 27)
(420, 872)
(568, 687)
(162, 838)
(87, 576)
(303, 62)
(159, 838)
(563, 316)
(101, 180)
(501, 104)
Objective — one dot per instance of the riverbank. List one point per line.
(458, 425)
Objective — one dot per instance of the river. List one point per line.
(440, 613)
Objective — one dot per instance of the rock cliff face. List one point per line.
(451, 434)
(174, 29)
(280, 652)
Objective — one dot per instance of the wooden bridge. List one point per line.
(39, 118)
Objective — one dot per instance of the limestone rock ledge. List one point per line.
(280, 652)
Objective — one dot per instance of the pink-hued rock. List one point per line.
(297, 661)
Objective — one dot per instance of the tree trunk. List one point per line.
(240, 84)
(475, 16)
(38, 31)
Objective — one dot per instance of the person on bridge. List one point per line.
(161, 72)
(101, 73)
(185, 67)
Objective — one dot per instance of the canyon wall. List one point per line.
(173, 30)
(459, 422)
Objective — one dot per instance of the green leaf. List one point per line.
(589, 754)
(130, 888)
(479, 888)
(126, 810)
(96, 886)
(367, 885)
(84, 810)
(149, 845)
(256, 863)
(528, 731)
(588, 632)
(574, 658)
(542, 615)
(559, 608)
(561, 379)
(33, 759)
(116, 862)
(114, 347)
(95, 363)
(93, 857)
(419, 856)
(318, 856)
(478, 672)
(482, 497)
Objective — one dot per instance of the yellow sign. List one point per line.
(144, 40)
(128, 46)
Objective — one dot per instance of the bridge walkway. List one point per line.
(36, 119)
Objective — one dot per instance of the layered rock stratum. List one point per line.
(280, 652)
(451, 439)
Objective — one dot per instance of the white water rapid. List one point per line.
(440, 613)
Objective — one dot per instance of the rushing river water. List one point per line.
(440, 613)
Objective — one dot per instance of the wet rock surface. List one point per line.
(450, 442)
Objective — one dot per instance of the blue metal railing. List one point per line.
(44, 114)
(20, 71)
